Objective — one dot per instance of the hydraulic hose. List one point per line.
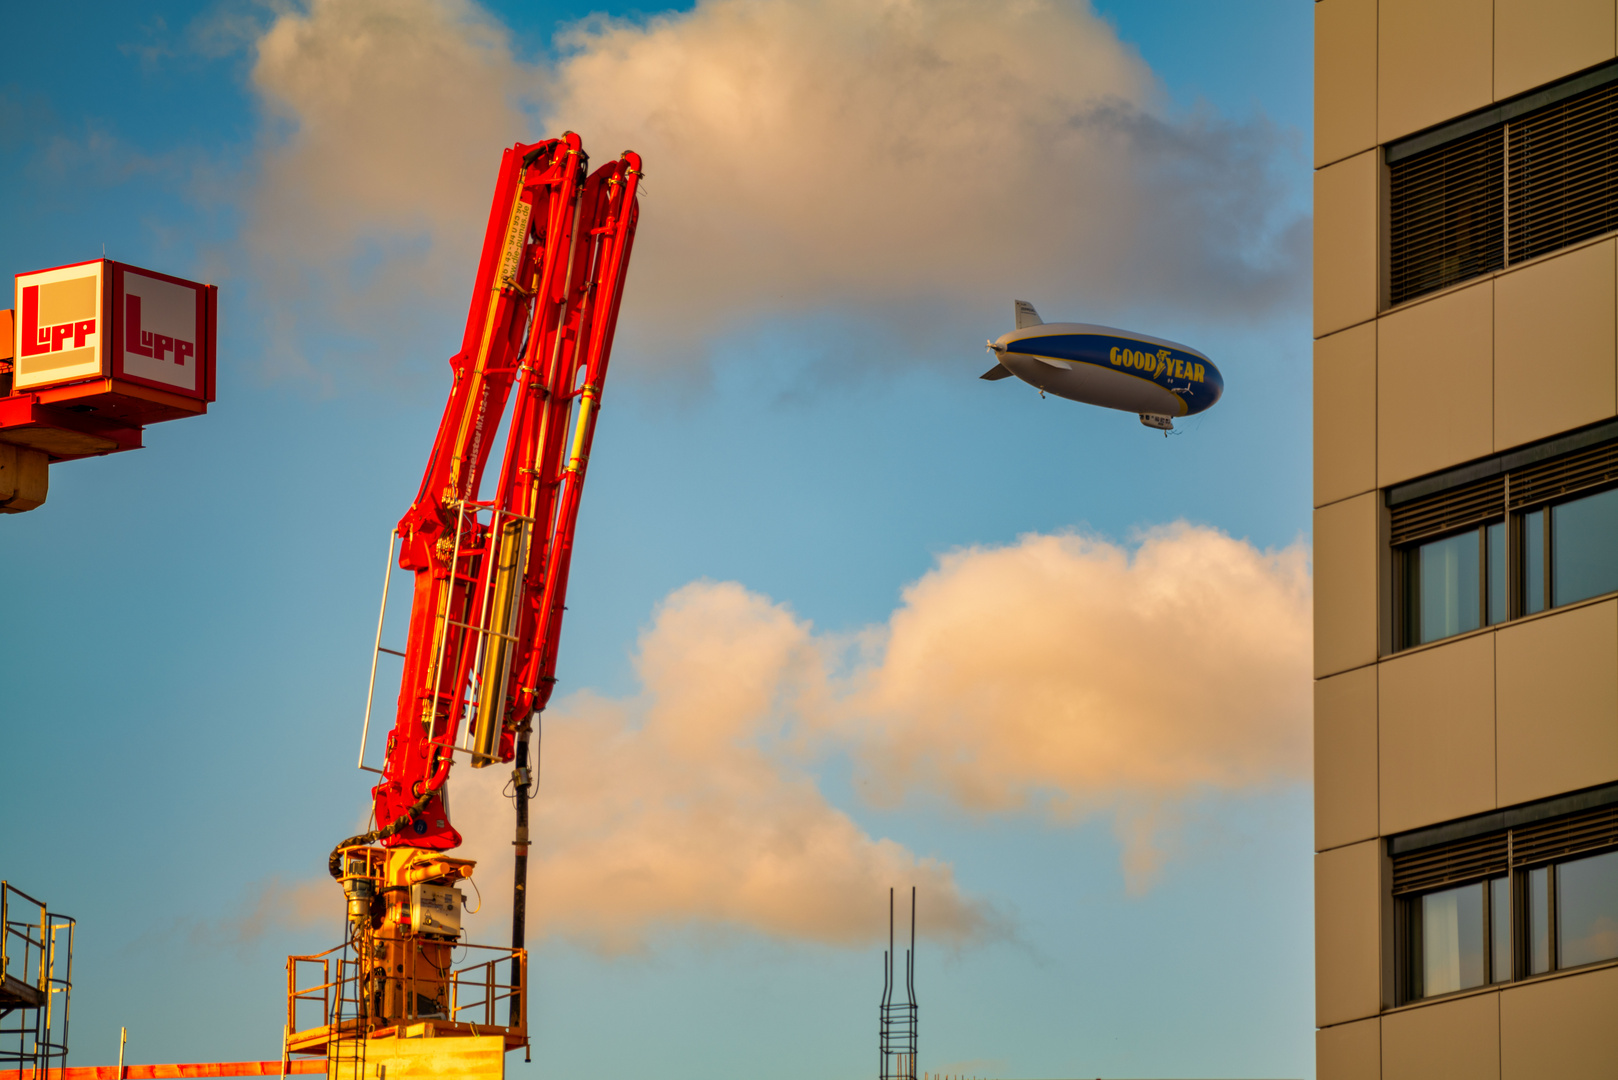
(334, 864)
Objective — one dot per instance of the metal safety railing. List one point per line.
(327, 996)
(476, 990)
(36, 981)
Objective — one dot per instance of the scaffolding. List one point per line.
(897, 1039)
(36, 978)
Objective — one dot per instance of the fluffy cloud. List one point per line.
(1066, 674)
(681, 808)
(1068, 665)
(1060, 675)
(850, 153)
(386, 121)
(889, 161)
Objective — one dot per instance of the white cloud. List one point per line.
(1060, 675)
(681, 808)
(891, 161)
(1066, 675)
(810, 153)
(386, 122)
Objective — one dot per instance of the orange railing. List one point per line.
(325, 999)
(186, 1070)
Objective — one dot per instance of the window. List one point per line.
(1500, 929)
(1446, 215)
(1584, 558)
(1457, 935)
(1538, 895)
(1539, 529)
(1456, 584)
(1587, 910)
(1515, 181)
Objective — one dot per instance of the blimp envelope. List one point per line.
(1109, 367)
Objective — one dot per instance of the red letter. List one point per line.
(31, 344)
(82, 329)
(60, 334)
(183, 350)
(161, 344)
(132, 334)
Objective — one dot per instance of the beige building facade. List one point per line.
(1466, 539)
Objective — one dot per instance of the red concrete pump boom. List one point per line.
(491, 575)
(490, 571)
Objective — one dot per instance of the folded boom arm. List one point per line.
(490, 574)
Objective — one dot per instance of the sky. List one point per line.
(842, 616)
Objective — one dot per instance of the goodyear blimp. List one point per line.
(1116, 369)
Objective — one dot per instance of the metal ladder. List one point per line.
(345, 1057)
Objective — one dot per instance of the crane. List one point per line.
(490, 576)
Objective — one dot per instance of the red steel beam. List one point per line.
(182, 1071)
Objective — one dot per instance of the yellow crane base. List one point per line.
(470, 1057)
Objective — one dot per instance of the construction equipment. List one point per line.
(36, 982)
(490, 578)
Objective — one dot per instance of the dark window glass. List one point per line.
(1446, 587)
(1500, 929)
(1587, 910)
(1539, 921)
(1496, 557)
(1533, 562)
(1584, 548)
(1451, 934)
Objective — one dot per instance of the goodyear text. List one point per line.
(1157, 364)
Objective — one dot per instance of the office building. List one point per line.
(1466, 538)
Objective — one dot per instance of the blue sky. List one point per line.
(192, 622)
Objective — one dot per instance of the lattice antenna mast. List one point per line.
(897, 1038)
(910, 974)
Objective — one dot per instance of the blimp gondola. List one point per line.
(1156, 379)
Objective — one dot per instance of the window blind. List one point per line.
(1446, 215)
(1507, 184)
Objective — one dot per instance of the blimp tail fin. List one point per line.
(1026, 315)
(999, 371)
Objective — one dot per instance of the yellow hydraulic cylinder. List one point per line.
(497, 641)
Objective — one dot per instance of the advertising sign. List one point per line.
(162, 325)
(59, 325)
(107, 320)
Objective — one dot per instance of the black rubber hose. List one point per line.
(334, 864)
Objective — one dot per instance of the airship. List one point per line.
(1156, 379)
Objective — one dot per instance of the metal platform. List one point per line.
(16, 994)
(326, 988)
(36, 965)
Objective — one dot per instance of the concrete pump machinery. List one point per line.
(490, 577)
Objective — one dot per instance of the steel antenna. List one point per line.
(897, 1057)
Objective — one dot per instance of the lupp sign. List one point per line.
(106, 320)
